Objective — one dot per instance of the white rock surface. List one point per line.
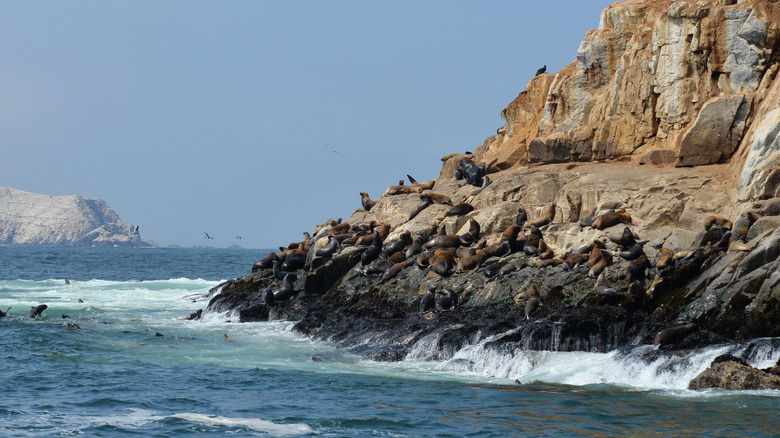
(33, 219)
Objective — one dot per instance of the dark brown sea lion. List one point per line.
(447, 300)
(574, 260)
(611, 219)
(373, 251)
(268, 297)
(673, 335)
(194, 315)
(633, 252)
(397, 245)
(2, 314)
(265, 263)
(495, 268)
(364, 226)
(602, 288)
(428, 301)
(366, 201)
(436, 198)
(36, 311)
(472, 235)
(498, 249)
(522, 217)
(545, 252)
(460, 209)
(416, 246)
(329, 249)
(395, 270)
(547, 216)
(625, 238)
(286, 292)
(717, 220)
(472, 262)
(533, 303)
(636, 269)
(442, 262)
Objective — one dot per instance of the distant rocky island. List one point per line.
(34, 219)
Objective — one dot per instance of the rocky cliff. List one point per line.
(33, 219)
(633, 191)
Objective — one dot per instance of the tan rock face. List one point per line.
(689, 78)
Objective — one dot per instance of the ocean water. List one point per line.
(135, 367)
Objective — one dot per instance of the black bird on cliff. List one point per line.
(541, 70)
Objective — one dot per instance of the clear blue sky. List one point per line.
(223, 116)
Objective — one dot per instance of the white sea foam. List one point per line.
(257, 424)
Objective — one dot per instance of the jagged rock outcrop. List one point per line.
(666, 125)
(33, 219)
(731, 373)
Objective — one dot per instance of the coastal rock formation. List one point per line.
(33, 219)
(635, 190)
(731, 373)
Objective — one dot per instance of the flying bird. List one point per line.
(207, 236)
(238, 237)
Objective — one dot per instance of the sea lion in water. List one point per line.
(366, 201)
(36, 311)
(227, 339)
(194, 315)
(2, 314)
(673, 335)
(428, 300)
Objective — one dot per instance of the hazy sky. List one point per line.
(259, 119)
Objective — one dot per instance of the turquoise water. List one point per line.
(115, 377)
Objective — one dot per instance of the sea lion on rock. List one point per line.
(373, 251)
(470, 171)
(665, 258)
(719, 221)
(280, 273)
(460, 209)
(573, 260)
(633, 252)
(636, 269)
(366, 201)
(472, 262)
(416, 246)
(498, 249)
(673, 335)
(442, 262)
(329, 249)
(625, 239)
(294, 263)
(549, 262)
(402, 190)
(472, 235)
(339, 229)
(447, 300)
(602, 288)
(36, 311)
(436, 198)
(428, 301)
(494, 268)
(485, 183)
(287, 291)
(547, 216)
(397, 245)
(521, 218)
(533, 303)
(395, 270)
(545, 252)
(268, 297)
(265, 263)
(611, 219)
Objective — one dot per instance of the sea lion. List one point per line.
(280, 273)
(485, 183)
(428, 301)
(625, 238)
(447, 300)
(194, 315)
(531, 248)
(339, 229)
(470, 171)
(397, 245)
(633, 252)
(2, 314)
(364, 226)
(545, 252)
(395, 270)
(602, 288)
(265, 263)
(665, 258)
(498, 249)
(610, 219)
(294, 263)
(442, 262)
(673, 335)
(574, 260)
(366, 201)
(416, 246)
(329, 249)
(287, 291)
(36, 311)
(268, 297)
(547, 216)
(472, 235)
(472, 262)
(373, 251)
(549, 262)
(522, 217)
(227, 339)
(403, 190)
(533, 303)
(460, 209)
(494, 268)
(73, 325)
(719, 221)
(636, 269)
(436, 198)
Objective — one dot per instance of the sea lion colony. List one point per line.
(617, 254)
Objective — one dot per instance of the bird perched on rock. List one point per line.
(541, 70)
